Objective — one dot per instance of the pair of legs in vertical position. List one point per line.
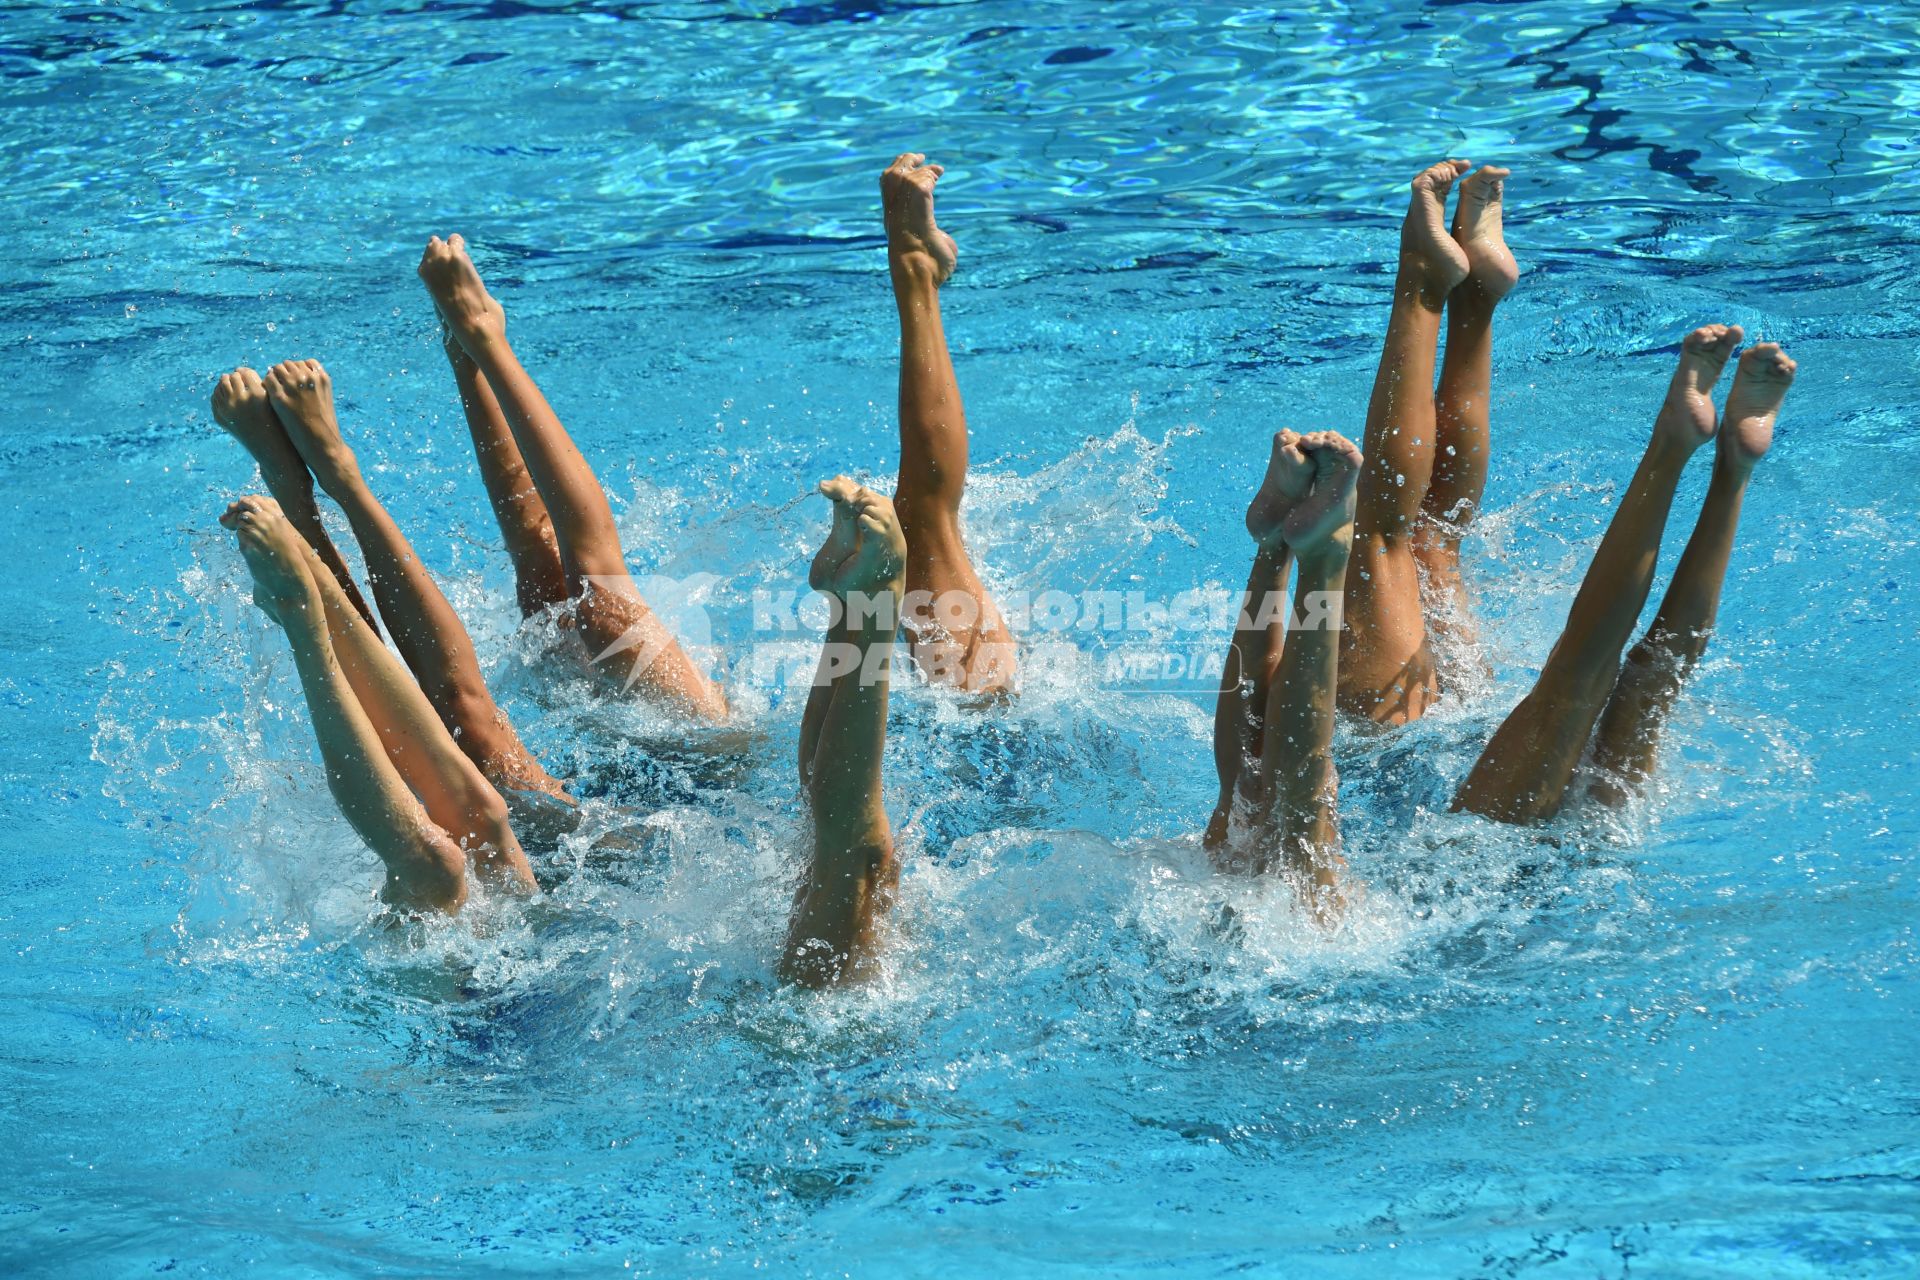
(553, 515)
(1527, 768)
(1426, 447)
(1273, 723)
(1426, 470)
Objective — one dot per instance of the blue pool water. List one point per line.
(1679, 1044)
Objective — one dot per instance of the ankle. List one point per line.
(338, 473)
(1421, 280)
(292, 488)
(913, 268)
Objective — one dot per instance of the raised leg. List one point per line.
(954, 627)
(424, 626)
(236, 403)
(425, 867)
(629, 642)
(1253, 659)
(539, 580)
(1522, 775)
(1305, 504)
(1460, 406)
(1629, 734)
(852, 874)
(1386, 667)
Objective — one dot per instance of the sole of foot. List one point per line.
(1425, 242)
(241, 405)
(1759, 387)
(1478, 230)
(1289, 472)
(271, 549)
(865, 550)
(301, 393)
(913, 238)
(1687, 418)
(458, 293)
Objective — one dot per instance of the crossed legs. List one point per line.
(1524, 772)
(543, 486)
(843, 737)
(1426, 451)
(954, 627)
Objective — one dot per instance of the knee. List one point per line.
(431, 876)
(469, 711)
(487, 811)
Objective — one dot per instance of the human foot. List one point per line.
(271, 548)
(842, 538)
(302, 397)
(240, 405)
(914, 243)
(1686, 419)
(1307, 499)
(1491, 270)
(465, 306)
(865, 550)
(1759, 385)
(1426, 249)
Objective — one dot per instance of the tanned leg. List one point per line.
(456, 795)
(953, 625)
(1522, 775)
(613, 618)
(425, 868)
(424, 626)
(1305, 504)
(281, 470)
(539, 580)
(851, 877)
(1657, 667)
(1253, 659)
(1386, 667)
(1460, 406)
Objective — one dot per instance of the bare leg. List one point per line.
(424, 626)
(1522, 775)
(953, 625)
(282, 471)
(525, 526)
(843, 538)
(1306, 503)
(1253, 659)
(851, 878)
(1629, 733)
(613, 618)
(1386, 668)
(425, 867)
(1460, 406)
(456, 796)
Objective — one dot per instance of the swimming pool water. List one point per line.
(1678, 1044)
